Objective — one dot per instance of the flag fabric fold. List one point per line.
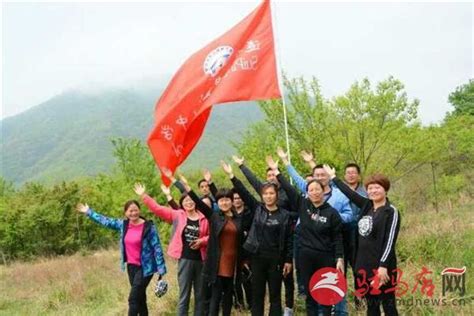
(240, 65)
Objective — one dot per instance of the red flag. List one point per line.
(240, 65)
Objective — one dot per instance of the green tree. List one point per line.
(374, 127)
(136, 164)
(463, 99)
(365, 123)
(39, 220)
(6, 187)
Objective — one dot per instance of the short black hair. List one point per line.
(318, 166)
(224, 193)
(314, 181)
(235, 191)
(181, 199)
(267, 185)
(130, 202)
(352, 165)
(201, 181)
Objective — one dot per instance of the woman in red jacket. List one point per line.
(188, 245)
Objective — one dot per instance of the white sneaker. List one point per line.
(288, 312)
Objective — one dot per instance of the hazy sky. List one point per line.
(52, 47)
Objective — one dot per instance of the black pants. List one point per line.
(289, 282)
(387, 299)
(243, 286)
(266, 270)
(137, 298)
(388, 303)
(310, 261)
(221, 294)
(349, 235)
(207, 293)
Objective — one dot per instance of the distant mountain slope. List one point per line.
(69, 135)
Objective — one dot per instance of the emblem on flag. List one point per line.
(217, 59)
(244, 56)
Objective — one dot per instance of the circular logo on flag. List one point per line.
(328, 286)
(216, 59)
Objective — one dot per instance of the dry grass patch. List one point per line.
(93, 284)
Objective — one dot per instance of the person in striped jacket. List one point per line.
(378, 226)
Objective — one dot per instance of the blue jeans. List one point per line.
(341, 307)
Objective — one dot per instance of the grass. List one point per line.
(93, 284)
(90, 284)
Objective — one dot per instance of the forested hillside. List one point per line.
(375, 125)
(69, 135)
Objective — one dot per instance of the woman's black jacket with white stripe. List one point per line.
(377, 232)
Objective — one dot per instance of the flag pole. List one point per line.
(280, 79)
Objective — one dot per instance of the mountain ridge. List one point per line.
(69, 135)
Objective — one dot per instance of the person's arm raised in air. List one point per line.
(352, 195)
(208, 177)
(163, 212)
(245, 195)
(299, 180)
(255, 182)
(200, 205)
(112, 223)
(167, 173)
(184, 188)
(293, 195)
(169, 199)
(308, 158)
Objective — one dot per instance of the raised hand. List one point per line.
(227, 168)
(82, 208)
(237, 160)
(307, 156)
(185, 183)
(272, 164)
(167, 173)
(207, 175)
(166, 190)
(139, 189)
(330, 171)
(283, 155)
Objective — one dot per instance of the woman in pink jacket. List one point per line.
(188, 243)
